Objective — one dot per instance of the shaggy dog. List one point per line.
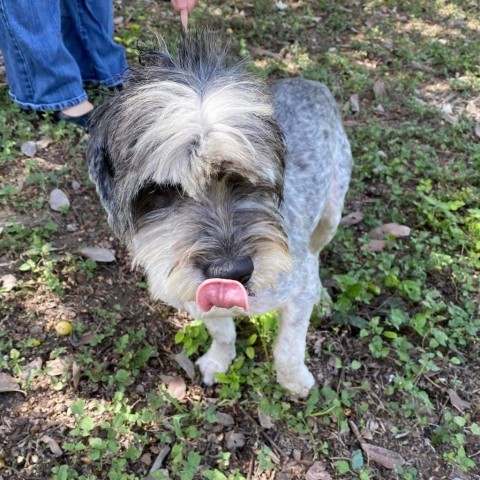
(224, 192)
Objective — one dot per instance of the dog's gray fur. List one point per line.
(190, 163)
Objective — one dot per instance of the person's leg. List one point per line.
(87, 27)
(41, 72)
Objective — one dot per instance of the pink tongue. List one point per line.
(222, 293)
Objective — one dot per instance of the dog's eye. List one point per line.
(155, 197)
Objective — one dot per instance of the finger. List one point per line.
(184, 19)
(179, 5)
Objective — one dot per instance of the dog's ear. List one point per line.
(100, 165)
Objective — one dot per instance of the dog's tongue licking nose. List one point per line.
(222, 293)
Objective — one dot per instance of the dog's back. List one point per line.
(318, 163)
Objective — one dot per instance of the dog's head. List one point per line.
(189, 161)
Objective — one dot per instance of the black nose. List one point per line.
(239, 269)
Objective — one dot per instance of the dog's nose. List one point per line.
(239, 269)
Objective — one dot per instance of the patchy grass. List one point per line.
(397, 361)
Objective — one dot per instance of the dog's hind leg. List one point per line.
(289, 351)
(221, 352)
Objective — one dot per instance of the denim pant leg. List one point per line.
(87, 27)
(41, 72)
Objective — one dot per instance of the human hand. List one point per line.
(184, 7)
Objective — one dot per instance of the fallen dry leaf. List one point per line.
(85, 339)
(379, 89)
(176, 386)
(389, 229)
(234, 440)
(352, 218)
(422, 67)
(224, 419)
(354, 103)
(156, 467)
(8, 384)
(58, 200)
(447, 108)
(374, 246)
(186, 364)
(52, 445)
(31, 368)
(318, 471)
(59, 366)
(264, 419)
(457, 402)
(267, 53)
(29, 148)
(98, 254)
(43, 143)
(8, 282)
(382, 456)
(76, 372)
(451, 119)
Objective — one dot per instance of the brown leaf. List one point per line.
(43, 143)
(374, 246)
(59, 366)
(8, 281)
(186, 364)
(457, 402)
(264, 419)
(354, 103)
(52, 445)
(234, 440)
(176, 386)
(98, 254)
(382, 456)
(85, 339)
(261, 52)
(160, 459)
(379, 89)
(58, 200)
(76, 372)
(224, 419)
(422, 67)
(32, 367)
(352, 218)
(389, 229)
(29, 148)
(8, 384)
(318, 471)
(451, 119)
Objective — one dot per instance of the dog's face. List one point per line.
(189, 162)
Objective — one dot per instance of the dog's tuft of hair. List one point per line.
(183, 122)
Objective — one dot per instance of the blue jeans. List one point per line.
(52, 47)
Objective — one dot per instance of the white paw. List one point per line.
(210, 364)
(298, 381)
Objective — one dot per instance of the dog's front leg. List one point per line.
(289, 351)
(221, 352)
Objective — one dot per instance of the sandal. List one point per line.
(81, 121)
